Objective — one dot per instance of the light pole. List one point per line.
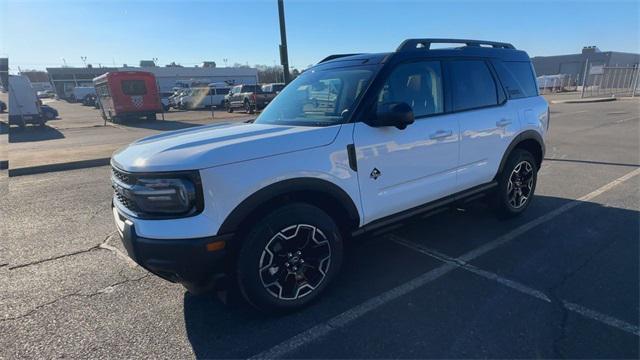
(84, 60)
(284, 56)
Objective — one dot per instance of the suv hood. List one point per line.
(214, 145)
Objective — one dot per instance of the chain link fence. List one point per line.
(601, 81)
(604, 81)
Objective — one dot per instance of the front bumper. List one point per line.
(191, 262)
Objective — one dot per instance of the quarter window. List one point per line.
(517, 78)
(472, 85)
(418, 84)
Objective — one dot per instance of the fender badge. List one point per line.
(375, 174)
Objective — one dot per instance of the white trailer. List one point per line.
(24, 105)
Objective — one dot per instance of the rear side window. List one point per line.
(418, 84)
(472, 85)
(517, 78)
(222, 91)
(134, 87)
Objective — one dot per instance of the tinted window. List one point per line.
(418, 84)
(222, 91)
(134, 87)
(517, 78)
(251, 88)
(472, 85)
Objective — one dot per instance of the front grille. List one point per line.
(122, 176)
(126, 202)
(119, 191)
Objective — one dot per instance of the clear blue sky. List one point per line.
(36, 34)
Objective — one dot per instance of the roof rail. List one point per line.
(412, 44)
(335, 56)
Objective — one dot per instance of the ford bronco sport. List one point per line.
(353, 144)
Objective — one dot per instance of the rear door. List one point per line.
(402, 169)
(488, 123)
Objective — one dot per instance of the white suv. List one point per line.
(353, 144)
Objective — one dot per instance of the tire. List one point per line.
(516, 184)
(228, 106)
(307, 250)
(49, 115)
(152, 117)
(248, 108)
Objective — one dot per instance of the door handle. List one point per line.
(503, 123)
(441, 134)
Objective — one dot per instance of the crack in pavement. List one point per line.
(105, 290)
(95, 247)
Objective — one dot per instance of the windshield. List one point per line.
(318, 97)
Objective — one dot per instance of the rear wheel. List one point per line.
(289, 257)
(516, 184)
(152, 117)
(247, 107)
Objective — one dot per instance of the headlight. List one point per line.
(159, 195)
(164, 196)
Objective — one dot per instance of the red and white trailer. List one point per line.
(126, 95)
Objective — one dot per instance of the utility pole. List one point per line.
(284, 56)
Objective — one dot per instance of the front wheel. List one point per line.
(289, 257)
(228, 106)
(516, 184)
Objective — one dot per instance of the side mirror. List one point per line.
(398, 114)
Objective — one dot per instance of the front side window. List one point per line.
(418, 84)
(320, 97)
(472, 85)
(134, 87)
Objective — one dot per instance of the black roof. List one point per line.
(422, 48)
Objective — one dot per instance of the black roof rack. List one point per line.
(335, 56)
(412, 44)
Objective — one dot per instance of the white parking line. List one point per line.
(341, 320)
(588, 313)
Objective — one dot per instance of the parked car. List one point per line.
(89, 100)
(125, 95)
(203, 97)
(247, 97)
(270, 91)
(48, 112)
(81, 93)
(174, 100)
(3, 106)
(46, 94)
(164, 99)
(355, 144)
(24, 105)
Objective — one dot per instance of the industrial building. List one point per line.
(574, 64)
(66, 78)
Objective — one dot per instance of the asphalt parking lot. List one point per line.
(80, 134)
(562, 281)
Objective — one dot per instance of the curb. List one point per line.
(73, 165)
(580, 101)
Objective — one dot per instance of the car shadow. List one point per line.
(33, 133)
(373, 265)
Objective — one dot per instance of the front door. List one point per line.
(402, 169)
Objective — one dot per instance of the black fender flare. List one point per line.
(525, 135)
(289, 186)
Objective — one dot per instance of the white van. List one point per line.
(203, 98)
(24, 106)
(80, 93)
